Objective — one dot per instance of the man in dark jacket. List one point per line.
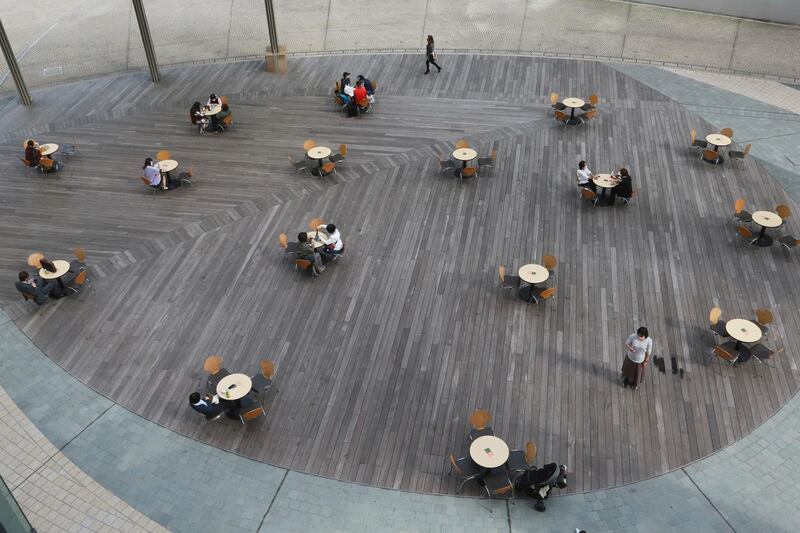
(205, 405)
(36, 288)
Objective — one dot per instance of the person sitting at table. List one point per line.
(623, 188)
(196, 114)
(585, 177)
(369, 87)
(205, 406)
(224, 112)
(305, 250)
(333, 243)
(37, 288)
(360, 92)
(152, 173)
(214, 100)
(32, 154)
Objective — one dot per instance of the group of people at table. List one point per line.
(51, 280)
(319, 246)
(212, 114)
(157, 173)
(351, 97)
(39, 155)
(619, 183)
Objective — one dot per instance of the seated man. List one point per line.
(333, 244)
(205, 405)
(305, 250)
(37, 288)
(224, 113)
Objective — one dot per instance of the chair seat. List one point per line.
(468, 467)
(475, 433)
(742, 351)
(743, 216)
(260, 382)
(516, 461)
(761, 352)
(719, 329)
(736, 155)
(587, 106)
(214, 379)
(764, 329)
(292, 247)
(789, 241)
(336, 158)
(485, 162)
(699, 143)
(511, 282)
(496, 484)
(559, 106)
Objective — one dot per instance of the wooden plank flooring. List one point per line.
(381, 359)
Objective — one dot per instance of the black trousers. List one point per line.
(431, 61)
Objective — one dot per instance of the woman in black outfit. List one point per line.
(623, 189)
(430, 56)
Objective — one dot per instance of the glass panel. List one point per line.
(12, 519)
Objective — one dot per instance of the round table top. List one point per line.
(533, 273)
(605, 181)
(573, 102)
(47, 149)
(317, 238)
(62, 267)
(212, 109)
(767, 219)
(743, 330)
(319, 152)
(167, 165)
(497, 453)
(718, 139)
(242, 383)
(465, 154)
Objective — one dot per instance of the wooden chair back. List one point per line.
(501, 272)
(468, 172)
(553, 98)
(26, 296)
(530, 452)
(783, 211)
(35, 260)
(714, 315)
(145, 180)
(738, 205)
(283, 240)
(694, 135)
(494, 155)
(549, 261)
(723, 353)
(309, 144)
(561, 117)
(80, 279)
(364, 104)
(593, 99)
(588, 194)
(747, 149)
(547, 293)
(80, 254)
(228, 120)
(462, 143)
(590, 115)
(337, 87)
(727, 132)
(710, 155)
(255, 412)
(343, 149)
(480, 418)
(267, 368)
(212, 364)
(635, 192)
(327, 168)
(26, 162)
(46, 163)
(162, 155)
(764, 316)
(223, 100)
(455, 466)
(744, 232)
(504, 490)
(314, 223)
(304, 264)
(374, 85)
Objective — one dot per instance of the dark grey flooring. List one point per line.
(381, 360)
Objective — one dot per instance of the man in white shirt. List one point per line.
(333, 244)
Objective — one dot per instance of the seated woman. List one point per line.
(623, 188)
(360, 92)
(32, 154)
(153, 174)
(585, 177)
(214, 100)
(196, 114)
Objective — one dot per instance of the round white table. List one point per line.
(167, 165)
(47, 149)
(573, 104)
(319, 153)
(234, 386)
(210, 110)
(489, 451)
(766, 219)
(62, 267)
(532, 274)
(743, 330)
(464, 155)
(605, 181)
(317, 238)
(717, 140)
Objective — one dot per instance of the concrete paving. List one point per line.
(62, 40)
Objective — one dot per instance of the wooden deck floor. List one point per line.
(381, 359)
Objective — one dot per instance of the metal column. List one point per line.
(13, 67)
(149, 51)
(273, 33)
